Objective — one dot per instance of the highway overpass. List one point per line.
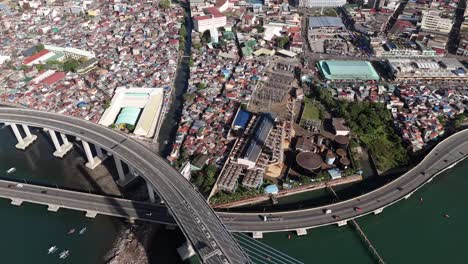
(443, 156)
(209, 237)
(92, 204)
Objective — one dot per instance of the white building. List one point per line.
(321, 3)
(213, 18)
(71, 52)
(433, 22)
(4, 59)
(140, 107)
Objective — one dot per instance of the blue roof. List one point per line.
(128, 115)
(242, 119)
(272, 188)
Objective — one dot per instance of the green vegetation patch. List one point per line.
(311, 110)
(373, 123)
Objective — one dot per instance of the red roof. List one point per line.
(35, 56)
(53, 78)
(201, 17)
(220, 3)
(213, 11)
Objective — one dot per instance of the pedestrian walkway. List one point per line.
(260, 253)
(362, 235)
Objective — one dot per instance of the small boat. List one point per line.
(64, 254)
(421, 200)
(10, 170)
(289, 236)
(447, 216)
(82, 230)
(71, 231)
(52, 250)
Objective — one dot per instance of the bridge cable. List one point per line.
(271, 249)
(244, 239)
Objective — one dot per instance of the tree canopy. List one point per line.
(373, 123)
(165, 4)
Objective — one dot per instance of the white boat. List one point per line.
(64, 254)
(82, 230)
(52, 250)
(10, 170)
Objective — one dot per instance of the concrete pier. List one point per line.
(124, 179)
(342, 223)
(16, 202)
(151, 195)
(186, 251)
(23, 143)
(60, 149)
(257, 235)
(378, 211)
(93, 162)
(91, 214)
(301, 232)
(53, 208)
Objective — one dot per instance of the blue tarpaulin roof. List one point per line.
(271, 189)
(242, 118)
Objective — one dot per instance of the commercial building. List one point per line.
(324, 23)
(71, 53)
(441, 69)
(321, 3)
(212, 19)
(432, 21)
(139, 107)
(347, 70)
(253, 149)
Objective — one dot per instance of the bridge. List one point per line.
(444, 156)
(92, 204)
(201, 226)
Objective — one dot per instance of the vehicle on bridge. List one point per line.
(267, 218)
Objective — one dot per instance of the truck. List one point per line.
(268, 218)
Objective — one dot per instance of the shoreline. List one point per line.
(289, 192)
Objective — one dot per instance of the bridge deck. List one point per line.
(82, 201)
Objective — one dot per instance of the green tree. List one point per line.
(165, 4)
(281, 42)
(130, 127)
(183, 31)
(71, 65)
(40, 47)
(40, 67)
(196, 45)
(201, 86)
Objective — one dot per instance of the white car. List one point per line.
(19, 185)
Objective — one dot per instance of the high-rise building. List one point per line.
(321, 3)
(432, 21)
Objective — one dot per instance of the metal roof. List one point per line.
(349, 69)
(242, 118)
(262, 130)
(318, 22)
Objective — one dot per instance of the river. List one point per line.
(408, 232)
